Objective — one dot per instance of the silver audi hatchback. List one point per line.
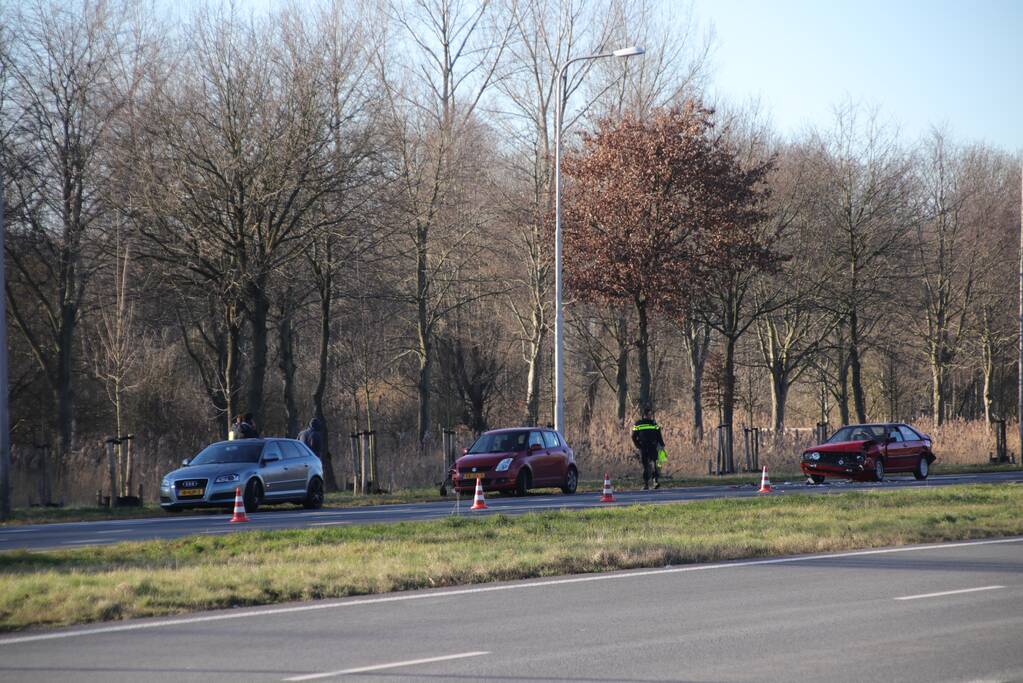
(267, 470)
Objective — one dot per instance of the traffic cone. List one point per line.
(478, 502)
(765, 483)
(239, 507)
(608, 495)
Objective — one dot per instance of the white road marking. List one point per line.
(943, 593)
(404, 597)
(84, 540)
(115, 531)
(330, 523)
(392, 665)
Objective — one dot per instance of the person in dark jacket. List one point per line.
(312, 436)
(646, 435)
(244, 427)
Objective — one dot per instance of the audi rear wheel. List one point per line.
(314, 495)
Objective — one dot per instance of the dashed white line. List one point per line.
(84, 540)
(944, 593)
(392, 665)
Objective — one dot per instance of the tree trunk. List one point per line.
(423, 386)
(622, 374)
(937, 391)
(779, 395)
(988, 367)
(728, 400)
(65, 391)
(232, 364)
(643, 348)
(859, 399)
(122, 465)
(533, 372)
(321, 381)
(287, 365)
(697, 340)
(260, 307)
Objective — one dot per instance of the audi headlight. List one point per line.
(226, 478)
(504, 465)
(166, 483)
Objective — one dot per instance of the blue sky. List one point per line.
(922, 62)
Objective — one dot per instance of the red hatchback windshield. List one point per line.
(500, 442)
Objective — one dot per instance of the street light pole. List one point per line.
(559, 318)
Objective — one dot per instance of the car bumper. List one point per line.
(214, 495)
(851, 471)
(500, 482)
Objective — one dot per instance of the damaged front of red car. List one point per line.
(861, 460)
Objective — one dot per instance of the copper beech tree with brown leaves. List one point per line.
(655, 208)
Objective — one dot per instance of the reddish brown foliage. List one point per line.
(656, 207)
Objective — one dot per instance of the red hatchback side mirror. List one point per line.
(465, 451)
(533, 447)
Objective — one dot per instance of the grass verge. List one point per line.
(254, 568)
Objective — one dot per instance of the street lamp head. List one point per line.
(630, 51)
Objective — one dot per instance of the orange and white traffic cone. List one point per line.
(608, 495)
(239, 507)
(478, 502)
(765, 483)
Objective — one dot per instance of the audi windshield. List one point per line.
(228, 452)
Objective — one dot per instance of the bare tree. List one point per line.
(236, 165)
(116, 346)
(862, 207)
(947, 249)
(67, 95)
(432, 102)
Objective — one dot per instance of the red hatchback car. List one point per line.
(867, 452)
(516, 460)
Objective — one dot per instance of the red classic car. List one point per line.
(516, 460)
(867, 452)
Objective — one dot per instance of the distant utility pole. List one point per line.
(5, 423)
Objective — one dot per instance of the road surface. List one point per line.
(945, 612)
(75, 534)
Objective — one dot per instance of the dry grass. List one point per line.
(607, 445)
(252, 568)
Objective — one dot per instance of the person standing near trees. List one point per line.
(244, 427)
(312, 436)
(646, 435)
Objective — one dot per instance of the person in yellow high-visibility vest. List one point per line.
(646, 435)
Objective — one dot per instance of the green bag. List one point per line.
(662, 456)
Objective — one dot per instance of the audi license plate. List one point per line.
(189, 493)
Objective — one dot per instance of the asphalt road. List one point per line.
(946, 612)
(73, 534)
